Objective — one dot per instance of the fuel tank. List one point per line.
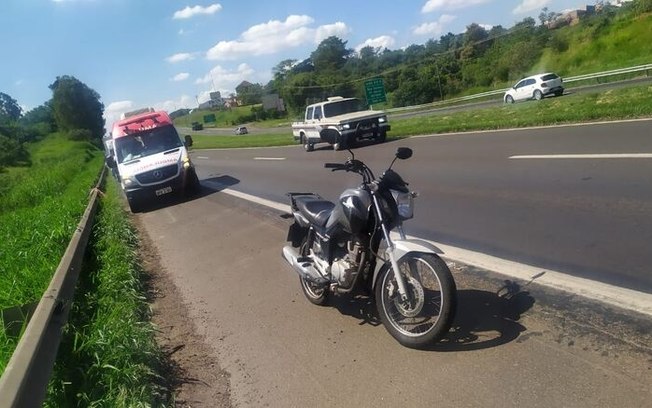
(351, 211)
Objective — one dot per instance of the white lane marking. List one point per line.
(269, 158)
(585, 156)
(616, 296)
(202, 157)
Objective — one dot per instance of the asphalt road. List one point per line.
(511, 346)
(586, 217)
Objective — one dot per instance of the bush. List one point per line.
(10, 151)
(643, 6)
(80, 135)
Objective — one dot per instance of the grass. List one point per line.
(224, 118)
(39, 210)
(109, 356)
(257, 140)
(594, 47)
(629, 103)
(626, 103)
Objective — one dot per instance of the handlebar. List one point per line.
(333, 165)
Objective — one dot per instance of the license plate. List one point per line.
(164, 191)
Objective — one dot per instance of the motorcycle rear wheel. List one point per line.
(428, 313)
(316, 294)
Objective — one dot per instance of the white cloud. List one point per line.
(487, 27)
(338, 29)
(182, 56)
(274, 36)
(382, 42)
(530, 5)
(184, 101)
(190, 12)
(225, 80)
(436, 27)
(433, 5)
(114, 110)
(182, 76)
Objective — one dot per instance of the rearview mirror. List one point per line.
(403, 153)
(188, 140)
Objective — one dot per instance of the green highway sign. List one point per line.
(209, 118)
(375, 90)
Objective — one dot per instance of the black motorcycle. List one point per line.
(345, 247)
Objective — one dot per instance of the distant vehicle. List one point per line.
(150, 159)
(350, 117)
(241, 130)
(535, 87)
(197, 126)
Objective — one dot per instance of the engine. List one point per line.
(346, 263)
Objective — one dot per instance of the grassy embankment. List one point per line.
(628, 103)
(107, 356)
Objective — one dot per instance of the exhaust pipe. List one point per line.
(304, 269)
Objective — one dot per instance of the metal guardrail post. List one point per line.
(25, 379)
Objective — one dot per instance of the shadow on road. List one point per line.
(215, 184)
(208, 186)
(483, 319)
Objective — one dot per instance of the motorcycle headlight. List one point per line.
(404, 204)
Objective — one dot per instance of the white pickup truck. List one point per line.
(350, 117)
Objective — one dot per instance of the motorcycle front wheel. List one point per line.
(427, 313)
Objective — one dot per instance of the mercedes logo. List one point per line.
(157, 174)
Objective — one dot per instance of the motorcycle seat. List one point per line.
(316, 211)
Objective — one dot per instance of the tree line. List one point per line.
(477, 59)
(74, 109)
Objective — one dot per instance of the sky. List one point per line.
(170, 54)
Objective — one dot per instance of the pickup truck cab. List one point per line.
(151, 159)
(349, 117)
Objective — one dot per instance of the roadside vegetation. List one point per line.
(625, 103)
(109, 356)
(461, 64)
(39, 210)
(50, 159)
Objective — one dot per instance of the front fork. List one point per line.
(400, 281)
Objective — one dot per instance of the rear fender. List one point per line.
(403, 247)
(296, 234)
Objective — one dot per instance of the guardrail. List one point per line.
(25, 379)
(629, 70)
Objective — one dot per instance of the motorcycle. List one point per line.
(346, 248)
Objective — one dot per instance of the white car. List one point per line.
(240, 130)
(535, 87)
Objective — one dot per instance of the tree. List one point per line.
(283, 68)
(9, 108)
(249, 93)
(546, 16)
(76, 106)
(331, 54)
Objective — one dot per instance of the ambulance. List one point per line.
(150, 159)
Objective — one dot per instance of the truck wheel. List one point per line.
(382, 137)
(135, 204)
(340, 144)
(307, 144)
(192, 186)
